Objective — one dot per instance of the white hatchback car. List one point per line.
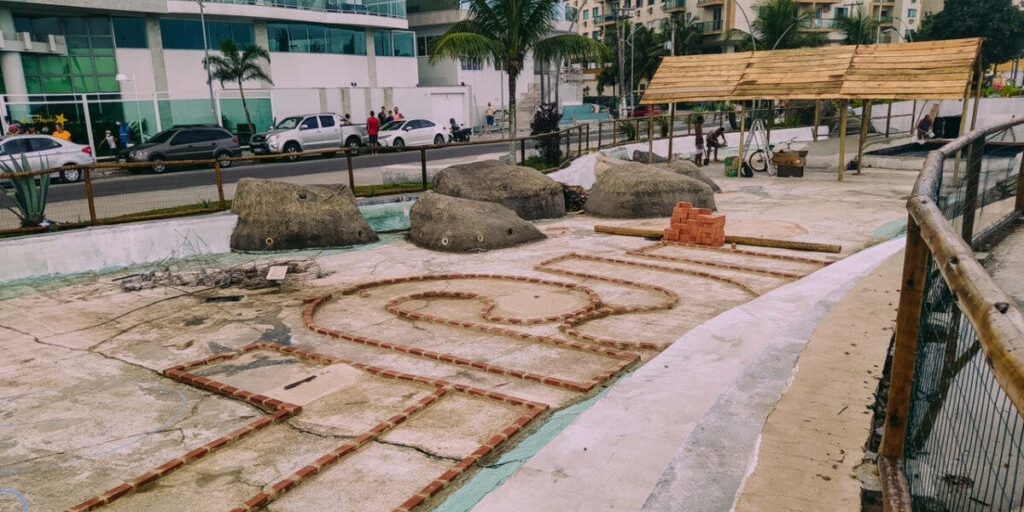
(46, 152)
(412, 132)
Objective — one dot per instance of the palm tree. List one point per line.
(687, 32)
(645, 48)
(776, 27)
(505, 32)
(234, 66)
(860, 28)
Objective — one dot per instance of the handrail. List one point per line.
(998, 322)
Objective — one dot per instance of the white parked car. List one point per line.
(46, 152)
(412, 132)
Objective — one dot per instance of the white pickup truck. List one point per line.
(309, 132)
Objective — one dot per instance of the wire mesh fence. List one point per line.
(962, 444)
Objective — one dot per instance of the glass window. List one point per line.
(911, 13)
(586, 15)
(57, 84)
(471, 65)
(382, 44)
(99, 25)
(43, 27)
(595, 12)
(130, 32)
(105, 65)
(298, 37)
(308, 123)
(33, 85)
(181, 34)
(76, 27)
(403, 41)
(108, 83)
(78, 45)
(326, 121)
(82, 65)
(53, 65)
(242, 34)
(84, 83)
(278, 34)
(102, 45)
(317, 39)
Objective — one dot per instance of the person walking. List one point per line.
(110, 142)
(61, 133)
(699, 141)
(372, 129)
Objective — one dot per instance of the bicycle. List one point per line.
(760, 161)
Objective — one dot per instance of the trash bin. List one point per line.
(732, 166)
(244, 132)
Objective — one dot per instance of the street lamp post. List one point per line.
(206, 59)
(121, 77)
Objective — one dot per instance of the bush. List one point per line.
(546, 121)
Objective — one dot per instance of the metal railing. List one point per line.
(389, 8)
(953, 430)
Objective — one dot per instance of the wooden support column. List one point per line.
(888, 119)
(865, 126)
(842, 137)
(817, 120)
(671, 128)
(743, 118)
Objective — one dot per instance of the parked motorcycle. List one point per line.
(457, 133)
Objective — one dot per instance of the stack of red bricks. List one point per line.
(696, 226)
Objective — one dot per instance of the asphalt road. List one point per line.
(111, 182)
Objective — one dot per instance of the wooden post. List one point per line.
(817, 119)
(908, 320)
(1019, 206)
(588, 134)
(522, 150)
(743, 119)
(650, 136)
(960, 133)
(974, 156)
(842, 138)
(865, 125)
(92, 200)
(672, 133)
(423, 166)
(220, 184)
(600, 124)
(351, 173)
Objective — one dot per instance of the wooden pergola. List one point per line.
(931, 70)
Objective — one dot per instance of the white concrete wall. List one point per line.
(293, 70)
(138, 64)
(397, 72)
(186, 77)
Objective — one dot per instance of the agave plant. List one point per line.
(28, 195)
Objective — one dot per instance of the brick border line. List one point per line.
(284, 410)
(626, 358)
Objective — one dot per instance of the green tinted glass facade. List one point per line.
(310, 38)
(89, 66)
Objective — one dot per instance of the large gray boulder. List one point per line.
(688, 168)
(523, 190)
(276, 216)
(452, 224)
(643, 156)
(633, 190)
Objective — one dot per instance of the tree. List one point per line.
(234, 66)
(998, 21)
(505, 32)
(643, 53)
(776, 27)
(685, 34)
(860, 28)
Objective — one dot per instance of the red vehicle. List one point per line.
(644, 110)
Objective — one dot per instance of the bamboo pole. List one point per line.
(842, 138)
(744, 240)
(865, 122)
(672, 129)
(888, 119)
(743, 119)
(817, 119)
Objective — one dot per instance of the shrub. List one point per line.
(28, 196)
(546, 121)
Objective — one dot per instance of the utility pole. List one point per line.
(620, 22)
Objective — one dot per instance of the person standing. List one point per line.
(489, 117)
(372, 129)
(125, 134)
(382, 115)
(699, 133)
(924, 127)
(398, 115)
(390, 117)
(61, 133)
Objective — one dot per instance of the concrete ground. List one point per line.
(584, 372)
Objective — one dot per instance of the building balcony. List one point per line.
(709, 27)
(389, 8)
(817, 25)
(673, 5)
(884, 21)
(604, 20)
(709, 3)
